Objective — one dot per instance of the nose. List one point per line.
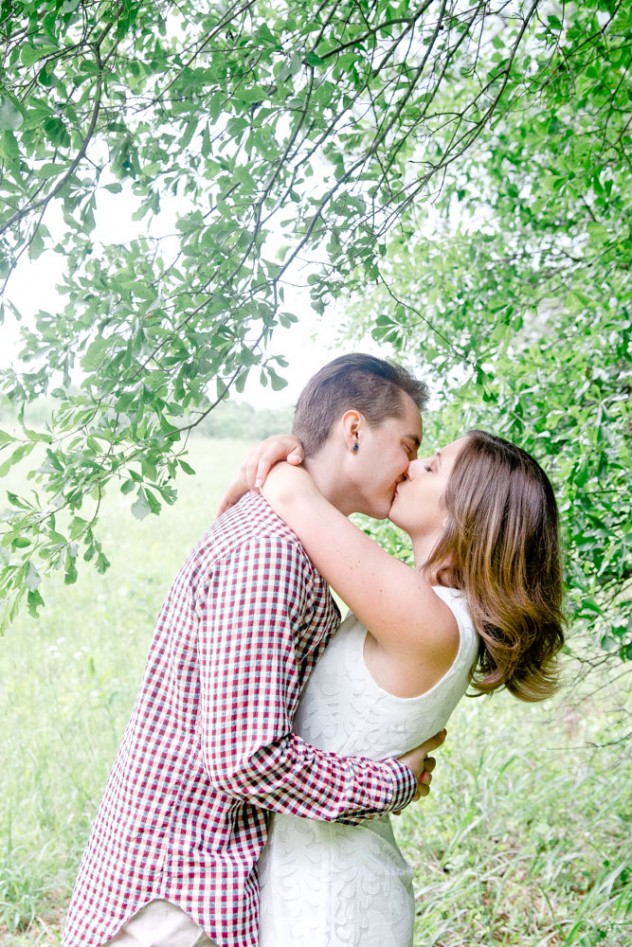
(413, 469)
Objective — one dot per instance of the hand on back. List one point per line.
(421, 764)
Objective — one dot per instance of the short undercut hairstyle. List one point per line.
(365, 383)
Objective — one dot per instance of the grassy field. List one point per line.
(525, 840)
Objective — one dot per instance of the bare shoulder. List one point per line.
(412, 663)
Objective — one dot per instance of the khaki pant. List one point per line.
(161, 924)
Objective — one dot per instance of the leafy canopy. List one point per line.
(264, 143)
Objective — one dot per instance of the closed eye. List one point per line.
(412, 449)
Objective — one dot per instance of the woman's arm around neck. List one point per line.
(395, 602)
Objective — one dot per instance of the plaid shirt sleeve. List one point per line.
(255, 652)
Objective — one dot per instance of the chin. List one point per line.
(381, 511)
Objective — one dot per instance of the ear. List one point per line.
(352, 424)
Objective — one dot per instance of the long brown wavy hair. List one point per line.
(502, 547)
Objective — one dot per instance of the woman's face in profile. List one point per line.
(418, 506)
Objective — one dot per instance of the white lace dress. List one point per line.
(324, 884)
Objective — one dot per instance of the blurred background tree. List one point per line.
(462, 167)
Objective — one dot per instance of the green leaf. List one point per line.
(189, 132)
(36, 246)
(32, 578)
(21, 542)
(31, 54)
(102, 563)
(276, 381)
(9, 147)
(18, 454)
(266, 36)
(11, 117)
(77, 527)
(95, 356)
(55, 130)
(153, 502)
(48, 170)
(149, 470)
(141, 506)
(54, 461)
(34, 602)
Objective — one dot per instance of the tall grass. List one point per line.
(525, 839)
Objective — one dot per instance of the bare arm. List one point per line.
(395, 602)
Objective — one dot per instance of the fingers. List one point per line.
(234, 492)
(423, 783)
(423, 765)
(275, 449)
(434, 742)
(254, 470)
(429, 763)
(263, 468)
(248, 471)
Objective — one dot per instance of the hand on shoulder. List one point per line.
(254, 471)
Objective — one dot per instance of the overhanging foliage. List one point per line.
(261, 143)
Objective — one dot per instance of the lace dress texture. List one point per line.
(326, 884)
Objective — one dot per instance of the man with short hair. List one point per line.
(209, 751)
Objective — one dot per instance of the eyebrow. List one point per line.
(438, 456)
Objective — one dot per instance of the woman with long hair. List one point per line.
(481, 607)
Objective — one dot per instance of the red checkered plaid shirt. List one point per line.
(209, 749)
